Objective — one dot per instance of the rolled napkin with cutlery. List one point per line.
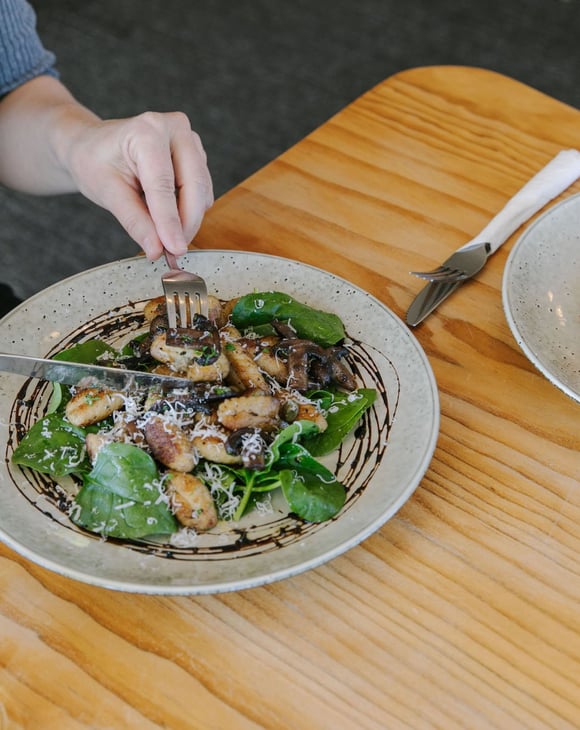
(550, 181)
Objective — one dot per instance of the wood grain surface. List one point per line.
(463, 610)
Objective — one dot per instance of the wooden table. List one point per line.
(463, 610)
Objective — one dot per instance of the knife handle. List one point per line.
(549, 182)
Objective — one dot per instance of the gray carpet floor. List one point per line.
(254, 78)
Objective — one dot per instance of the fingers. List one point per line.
(171, 167)
(151, 172)
(129, 208)
(193, 180)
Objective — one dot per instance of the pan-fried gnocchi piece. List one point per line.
(213, 448)
(309, 412)
(244, 370)
(183, 360)
(216, 372)
(191, 501)
(91, 405)
(249, 411)
(154, 308)
(262, 351)
(94, 442)
(177, 358)
(170, 444)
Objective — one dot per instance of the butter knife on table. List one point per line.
(549, 182)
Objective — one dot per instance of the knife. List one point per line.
(74, 373)
(545, 185)
(429, 299)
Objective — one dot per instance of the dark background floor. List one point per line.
(254, 77)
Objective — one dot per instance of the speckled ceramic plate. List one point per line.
(381, 466)
(541, 294)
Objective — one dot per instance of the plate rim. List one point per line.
(509, 312)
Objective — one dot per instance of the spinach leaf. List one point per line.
(87, 352)
(53, 446)
(311, 490)
(342, 412)
(58, 398)
(311, 324)
(121, 496)
(251, 485)
(292, 433)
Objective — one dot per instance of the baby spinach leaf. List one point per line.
(87, 352)
(53, 446)
(121, 496)
(293, 432)
(311, 490)
(109, 515)
(342, 412)
(126, 470)
(261, 308)
(248, 484)
(58, 398)
(246, 480)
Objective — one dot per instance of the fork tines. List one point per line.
(185, 295)
(182, 306)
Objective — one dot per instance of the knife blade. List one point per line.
(429, 298)
(74, 373)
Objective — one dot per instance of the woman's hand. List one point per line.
(149, 171)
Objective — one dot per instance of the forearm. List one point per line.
(38, 123)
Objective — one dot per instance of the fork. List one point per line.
(549, 182)
(185, 295)
(462, 264)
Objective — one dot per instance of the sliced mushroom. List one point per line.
(284, 329)
(249, 445)
(312, 366)
(300, 354)
(339, 373)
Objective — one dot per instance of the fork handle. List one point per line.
(549, 182)
(170, 260)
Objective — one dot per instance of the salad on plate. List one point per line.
(270, 392)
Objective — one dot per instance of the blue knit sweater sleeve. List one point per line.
(22, 55)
